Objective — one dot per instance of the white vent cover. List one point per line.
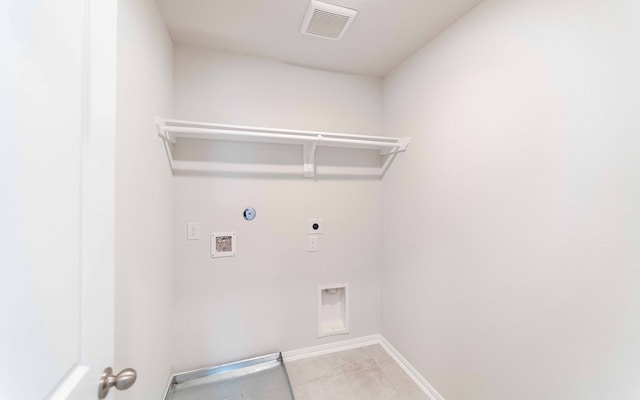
(327, 20)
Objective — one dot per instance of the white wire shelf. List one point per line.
(170, 130)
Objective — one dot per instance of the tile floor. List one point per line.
(363, 373)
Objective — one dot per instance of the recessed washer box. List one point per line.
(333, 309)
(223, 244)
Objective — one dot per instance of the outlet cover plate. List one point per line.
(193, 231)
(313, 244)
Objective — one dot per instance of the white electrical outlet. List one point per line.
(313, 243)
(193, 231)
(315, 225)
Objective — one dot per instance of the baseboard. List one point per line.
(328, 348)
(422, 383)
(349, 344)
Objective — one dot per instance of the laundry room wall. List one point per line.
(265, 298)
(143, 242)
(511, 226)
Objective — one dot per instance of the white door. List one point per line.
(57, 108)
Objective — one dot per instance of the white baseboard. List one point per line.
(422, 383)
(328, 348)
(343, 345)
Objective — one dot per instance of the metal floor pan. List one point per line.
(259, 378)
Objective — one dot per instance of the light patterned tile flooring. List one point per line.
(363, 373)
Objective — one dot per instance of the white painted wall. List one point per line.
(242, 90)
(512, 225)
(143, 199)
(264, 299)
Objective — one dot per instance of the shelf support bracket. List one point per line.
(402, 146)
(309, 159)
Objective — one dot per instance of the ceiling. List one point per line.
(383, 34)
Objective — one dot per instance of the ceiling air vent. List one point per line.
(327, 20)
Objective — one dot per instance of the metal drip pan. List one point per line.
(258, 378)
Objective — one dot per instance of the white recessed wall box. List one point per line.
(327, 20)
(223, 244)
(333, 309)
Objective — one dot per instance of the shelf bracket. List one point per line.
(402, 146)
(309, 158)
(161, 126)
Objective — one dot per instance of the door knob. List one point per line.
(123, 381)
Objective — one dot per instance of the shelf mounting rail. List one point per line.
(170, 130)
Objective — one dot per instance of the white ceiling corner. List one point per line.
(384, 33)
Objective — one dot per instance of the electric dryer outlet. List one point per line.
(315, 226)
